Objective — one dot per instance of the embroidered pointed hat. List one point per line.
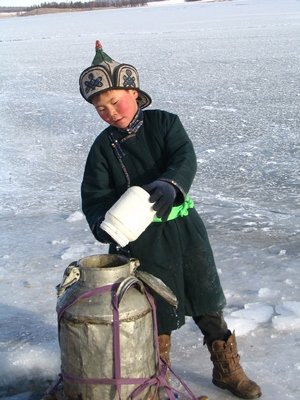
(106, 74)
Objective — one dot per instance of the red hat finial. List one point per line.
(98, 45)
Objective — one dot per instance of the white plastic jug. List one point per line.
(129, 216)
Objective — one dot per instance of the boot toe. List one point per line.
(245, 389)
(248, 390)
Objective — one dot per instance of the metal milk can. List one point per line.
(106, 331)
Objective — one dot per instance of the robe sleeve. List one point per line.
(182, 163)
(98, 193)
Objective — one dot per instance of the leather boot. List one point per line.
(228, 373)
(164, 342)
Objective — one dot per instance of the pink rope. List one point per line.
(116, 343)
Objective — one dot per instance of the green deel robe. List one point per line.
(177, 251)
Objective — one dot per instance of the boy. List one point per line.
(151, 149)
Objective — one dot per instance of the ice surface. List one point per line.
(288, 317)
(231, 71)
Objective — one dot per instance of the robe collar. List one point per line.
(135, 124)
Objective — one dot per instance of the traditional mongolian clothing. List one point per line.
(151, 149)
(176, 251)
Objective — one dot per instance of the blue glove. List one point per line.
(162, 194)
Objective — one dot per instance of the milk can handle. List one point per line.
(133, 265)
(126, 284)
(71, 275)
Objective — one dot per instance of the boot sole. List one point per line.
(224, 387)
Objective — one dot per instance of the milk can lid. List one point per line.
(158, 286)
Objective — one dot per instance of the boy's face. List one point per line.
(117, 107)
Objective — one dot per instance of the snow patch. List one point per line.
(267, 292)
(248, 319)
(289, 316)
(74, 252)
(257, 312)
(241, 326)
(33, 360)
(76, 216)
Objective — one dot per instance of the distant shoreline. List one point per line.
(42, 11)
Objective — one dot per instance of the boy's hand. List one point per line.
(103, 236)
(162, 194)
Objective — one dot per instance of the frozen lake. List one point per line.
(231, 70)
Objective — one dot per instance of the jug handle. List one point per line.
(126, 284)
(133, 265)
(71, 275)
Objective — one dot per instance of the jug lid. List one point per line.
(158, 286)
